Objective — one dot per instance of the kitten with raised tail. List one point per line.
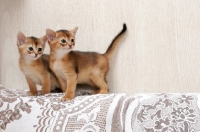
(35, 65)
(76, 67)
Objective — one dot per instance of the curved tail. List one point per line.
(114, 43)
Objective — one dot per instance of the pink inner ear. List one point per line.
(50, 34)
(51, 37)
(21, 38)
(21, 41)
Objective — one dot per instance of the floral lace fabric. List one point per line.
(99, 113)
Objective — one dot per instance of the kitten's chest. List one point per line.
(58, 68)
(31, 74)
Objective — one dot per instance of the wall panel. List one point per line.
(160, 52)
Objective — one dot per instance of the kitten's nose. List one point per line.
(36, 55)
(70, 46)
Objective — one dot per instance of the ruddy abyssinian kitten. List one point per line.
(35, 65)
(74, 67)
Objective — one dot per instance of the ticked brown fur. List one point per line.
(74, 67)
(34, 64)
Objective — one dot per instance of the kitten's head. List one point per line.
(63, 40)
(30, 47)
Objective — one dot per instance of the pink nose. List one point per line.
(70, 46)
(36, 55)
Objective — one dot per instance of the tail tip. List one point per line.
(124, 27)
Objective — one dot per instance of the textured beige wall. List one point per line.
(160, 53)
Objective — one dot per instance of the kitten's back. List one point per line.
(85, 60)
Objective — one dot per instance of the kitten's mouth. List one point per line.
(34, 57)
(67, 48)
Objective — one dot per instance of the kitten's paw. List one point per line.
(45, 91)
(30, 93)
(96, 92)
(65, 99)
(103, 91)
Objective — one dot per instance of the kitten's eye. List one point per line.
(39, 49)
(63, 41)
(30, 48)
(72, 40)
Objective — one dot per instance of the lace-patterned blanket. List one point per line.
(99, 113)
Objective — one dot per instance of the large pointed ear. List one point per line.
(21, 38)
(74, 30)
(43, 40)
(51, 35)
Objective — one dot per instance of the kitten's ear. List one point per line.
(50, 34)
(20, 38)
(74, 30)
(44, 40)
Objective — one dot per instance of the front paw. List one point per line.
(64, 98)
(30, 93)
(96, 92)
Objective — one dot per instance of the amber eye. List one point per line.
(72, 40)
(63, 41)
(39, 49)
(30, 48)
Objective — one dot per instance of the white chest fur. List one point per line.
(32, 74)
(58, 70)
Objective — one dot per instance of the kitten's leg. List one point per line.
(46, 84)
(32, 87)
(63, 84)
(101, 83)
(71, 87)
